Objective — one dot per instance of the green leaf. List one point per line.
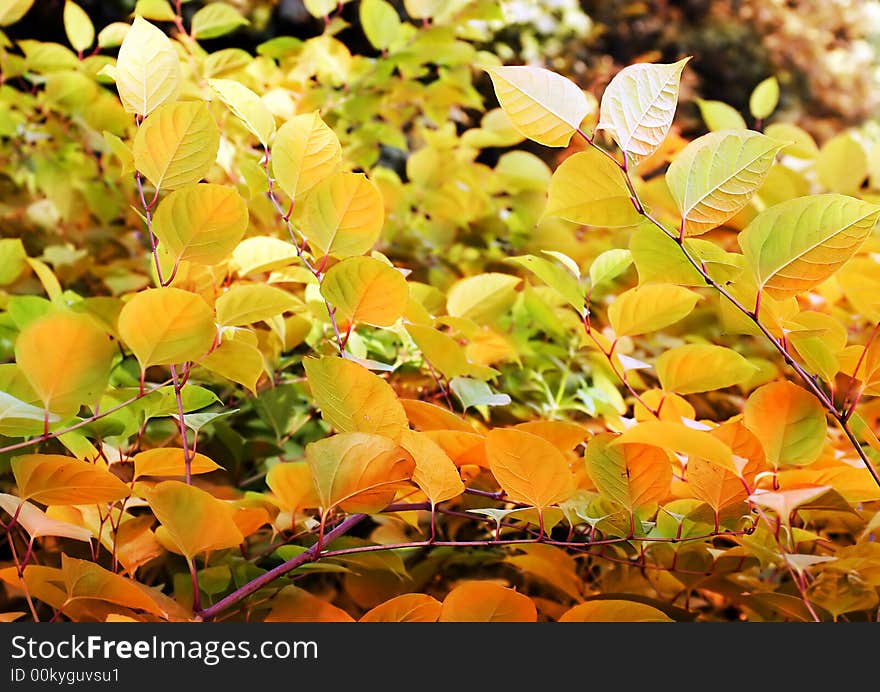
(248, 303)
(639, 104)
(764, 98)
(476, 393)
(78, 27)
(798, 244)
(380, 22)
(716, 175)
(556, 277)
(609, 265)
(589, 189)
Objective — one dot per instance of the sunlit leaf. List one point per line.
(78, 27)
(247, 107)
(542, 105)
(649, 308)
(614, 610)
(293, 486)
(476, 601)
(163, 326)
(304, 153)
(796, 245)
(408, 607)
(789, 422)
(170, 461)
(639, 104)
(764, 98)
(216, 19)
(52, 479)
(37, 524)
(701, 368)
(177, 144)
(364, 289)
(147, 69)
(434, 473)
(248, 303)
(635, 476)
(358, 472)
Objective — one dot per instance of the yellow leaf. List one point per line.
(352, 399)
(380, 22)
(177, 144)
(549, 564)
(87, 580)
(789, 422)
(718, 116)
(649, 308)
(261, 254)
(364, 289)
(614, 610)
(529, 468)
(408, 607)
(563, 435)
(842, 165)
(358, 472)
(796, 245)
(764, 98)
(78, 27)
(542, 105)
(635, 476)
(53, 479)
(236, 360)
(483, 297)
(639, 104)
(196, 521)
(248, 303)
(343, 215)
(425, 416)
(169, 461)
(696, 368)
(716, 176)
(163, 326)
(216, 19)
(679, 438)
(293, 486)
(247, 107)
(799, 142)
(304, 153)
(201, 222)
(443, 352)
(434, 473)
(37, 524)
(589, 189)
(66, 359)
(485, 601)
(13, 10)
(293, 604)
(147, 69)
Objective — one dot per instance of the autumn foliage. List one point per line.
(315, 335)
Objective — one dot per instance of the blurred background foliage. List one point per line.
(824, 52)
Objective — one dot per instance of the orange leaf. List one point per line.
(483, 601)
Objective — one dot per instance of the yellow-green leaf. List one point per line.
(247, 107)
(66, 359)
(842, 165)
(304, 153)
(248, 303)
(147, 69)
(13, 10)
(635, 476)
(343, 215)
(177, 144)
(719, 116)
(529, 468)
(216, 19)
(364, 289)
(589, 189)
(163, 326)
(380, 22)
(483, 297)
(53, 479)
(649, 308)
(798, 142)
(764, 98)
(262, 253)
(201, 222)
(639, 104)
(78, 27)
(716, 175)
(796, 245)
(788, 421)
(195, 521)
(542, 105)
(352, 399)
(696, 368)
(358, 472)
(556, 277)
